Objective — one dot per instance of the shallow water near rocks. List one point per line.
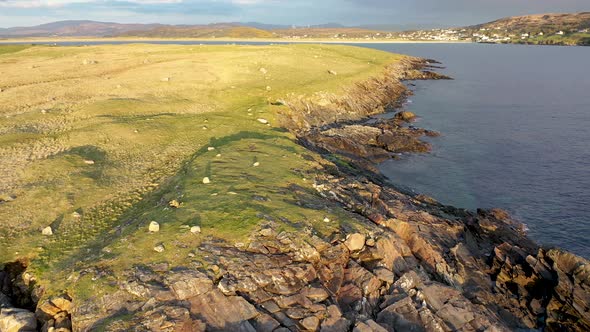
(515, 127)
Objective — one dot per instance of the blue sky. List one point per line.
(298, 12)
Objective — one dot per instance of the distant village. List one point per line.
(483, 35)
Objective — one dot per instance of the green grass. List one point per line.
(97, 151)
(570, 39)
(7, 49)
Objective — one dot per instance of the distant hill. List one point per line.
(547, 29)
(216, 30)
(222, 30)
(75, 29)
(547, 23)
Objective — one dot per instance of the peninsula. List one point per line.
(234, 188)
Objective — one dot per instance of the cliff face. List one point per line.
(406, 264)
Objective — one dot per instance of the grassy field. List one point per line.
(95, 142)
(572, 39)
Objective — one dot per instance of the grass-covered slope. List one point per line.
(96, 142)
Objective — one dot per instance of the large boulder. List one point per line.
(405, 116)
(17, 320)
(355, 242)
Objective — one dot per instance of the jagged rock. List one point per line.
(369, 326)
(296, 313)
(408, 281)
(337, 325)
(384, 275)
(169, 318)
(17, 320)
(271, 306)
(56, 308)
(206, 180)
(334, 322)
(220, 312)
(196, 229)
(46, 310)
(159, 248)
(47, 231)
(174, 204)
(265, 323)
(311, 323)
(449, 305)
(315, 294)
(355, 242)
(405, 116)
(401, 316)
(188, 283)
(266, 232)
(62, 322)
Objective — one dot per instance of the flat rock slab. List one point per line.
(220, 312)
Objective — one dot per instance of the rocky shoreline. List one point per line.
(407, 264)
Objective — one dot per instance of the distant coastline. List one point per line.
(227, 40)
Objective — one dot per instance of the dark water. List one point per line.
(516, 134)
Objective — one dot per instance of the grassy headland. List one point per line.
(97, 141)
(153, 188)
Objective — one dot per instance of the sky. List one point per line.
(424, 13)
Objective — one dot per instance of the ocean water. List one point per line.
(515, 127)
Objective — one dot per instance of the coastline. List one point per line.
(487, 242)
(407, 263)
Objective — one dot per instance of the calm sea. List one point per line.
(516, 135)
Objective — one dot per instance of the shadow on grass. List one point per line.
(135, 118)
(96, 234)
(97, 156)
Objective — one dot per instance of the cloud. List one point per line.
(299, 12)
(61, 3)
